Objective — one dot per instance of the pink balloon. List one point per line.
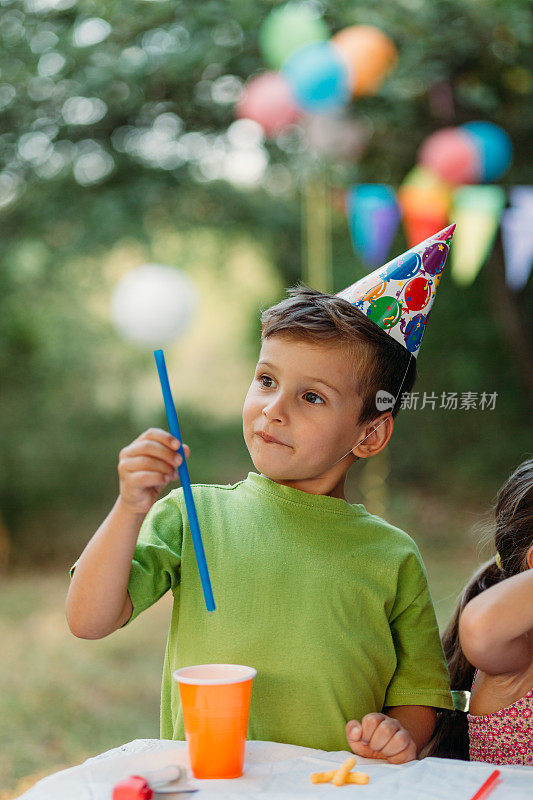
(267, 100)
(451, 154)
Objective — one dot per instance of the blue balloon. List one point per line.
(318, 78)
(407, 269)
(494, 148)
(414, 332)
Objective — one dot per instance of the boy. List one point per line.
(329, 603)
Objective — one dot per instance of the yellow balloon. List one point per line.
(370, 55)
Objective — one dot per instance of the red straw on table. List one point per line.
(488, 786)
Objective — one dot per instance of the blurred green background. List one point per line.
(130, 180)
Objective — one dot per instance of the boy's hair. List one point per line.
(512, 533)
(378, 361)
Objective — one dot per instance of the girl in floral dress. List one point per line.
(489, 643)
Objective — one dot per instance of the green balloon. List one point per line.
(286, 29)
(385, 312)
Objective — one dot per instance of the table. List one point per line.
(282, 771)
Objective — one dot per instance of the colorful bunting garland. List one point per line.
(517, 237)
(427, 204)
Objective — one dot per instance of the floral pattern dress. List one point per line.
(504, 737)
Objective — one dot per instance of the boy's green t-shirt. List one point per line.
(329, 603)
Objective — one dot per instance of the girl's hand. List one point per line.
(379, 736)
(146, 466)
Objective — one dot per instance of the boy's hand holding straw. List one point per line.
(146, 466)
(174, 428)
(98, 601)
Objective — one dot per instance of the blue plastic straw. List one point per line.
(174, 428)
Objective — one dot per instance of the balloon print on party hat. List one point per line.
(398, 296)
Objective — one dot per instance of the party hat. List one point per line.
(398, 296)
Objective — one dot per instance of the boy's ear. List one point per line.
(529, 558)
(375, 436)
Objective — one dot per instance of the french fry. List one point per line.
(340, 776)
(323, 777)
(361, 778)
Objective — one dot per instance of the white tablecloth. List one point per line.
(282, 771)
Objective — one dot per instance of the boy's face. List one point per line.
(314, 423)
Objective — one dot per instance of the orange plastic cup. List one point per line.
(215, 699)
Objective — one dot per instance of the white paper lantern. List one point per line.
(152, 305)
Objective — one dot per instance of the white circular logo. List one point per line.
(384, 400)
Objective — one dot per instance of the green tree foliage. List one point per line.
(115, 119)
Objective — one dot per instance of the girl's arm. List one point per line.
(496, 627)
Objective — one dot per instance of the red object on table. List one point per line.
(488, 786)
(133, 788)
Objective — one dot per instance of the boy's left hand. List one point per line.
(379, 736)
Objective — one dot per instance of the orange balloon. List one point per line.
(370, 55)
